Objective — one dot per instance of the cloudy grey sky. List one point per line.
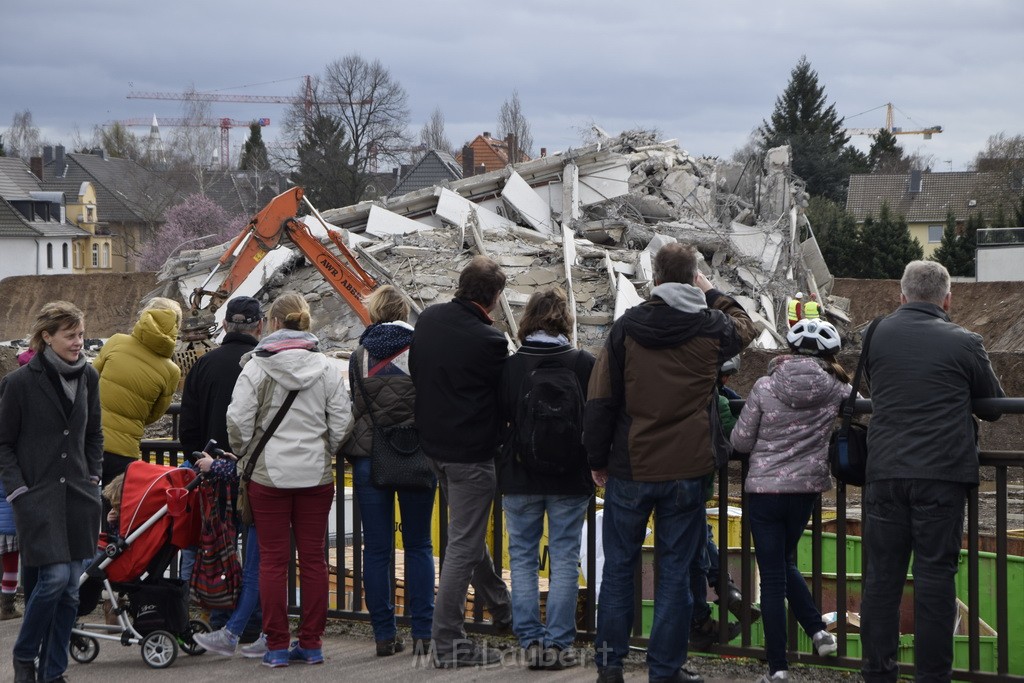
(704, 73)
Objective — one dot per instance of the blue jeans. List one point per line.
(681, 532)
(777, 521)
(524, 518)
(49, 617)
(249, 598)
(903, 516)
(377, 511)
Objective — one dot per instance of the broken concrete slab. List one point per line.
(521, 198)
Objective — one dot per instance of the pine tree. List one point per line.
(886, 156)
(324, 171)
(889, 245)
(2, 152)
(836, 232)
(254, 151)
(952, 251)
(802, 120)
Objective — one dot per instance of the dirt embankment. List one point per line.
(110, 300)
(995, 310)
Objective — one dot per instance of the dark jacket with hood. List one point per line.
(51, 457)
(647, 415)
(456, 361)
(923, 372)
(513, 477)
(207, 393)
(379, 370)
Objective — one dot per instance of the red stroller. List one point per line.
(159, 516)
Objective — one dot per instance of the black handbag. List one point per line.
(848, 446)
(396, 459)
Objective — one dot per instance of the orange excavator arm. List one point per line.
(275, 223)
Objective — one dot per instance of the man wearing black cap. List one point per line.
(208, 385)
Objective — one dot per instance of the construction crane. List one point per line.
(306, 99)
(889, 126)
(224, 124)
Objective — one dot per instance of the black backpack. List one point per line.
(549, 419)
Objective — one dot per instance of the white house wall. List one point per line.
(58, 260)
(18, 257)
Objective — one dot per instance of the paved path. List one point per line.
(349, 658)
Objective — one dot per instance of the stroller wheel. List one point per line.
(188, 643)
(159, 649)
(83, 649)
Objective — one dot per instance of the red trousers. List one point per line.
(278, 515)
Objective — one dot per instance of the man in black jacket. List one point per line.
(456, 361)
(923, 372)
(208, 385)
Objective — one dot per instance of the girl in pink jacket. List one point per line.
(785, 426)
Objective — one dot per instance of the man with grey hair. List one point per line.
(923, 372)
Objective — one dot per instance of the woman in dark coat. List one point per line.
(51, 456)
(378, 374)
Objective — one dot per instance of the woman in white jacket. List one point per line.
(292, 485)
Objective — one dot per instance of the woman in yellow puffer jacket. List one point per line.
(137, 382)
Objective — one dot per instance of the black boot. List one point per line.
(734, 603)
(24, 672)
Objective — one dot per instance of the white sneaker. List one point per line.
(221, 642)
(825, 643)
(782, 675)
(256, 648)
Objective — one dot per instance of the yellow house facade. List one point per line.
(92, 254)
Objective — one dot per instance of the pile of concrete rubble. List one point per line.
(588, 219)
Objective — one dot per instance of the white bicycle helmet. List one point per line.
(814, 337)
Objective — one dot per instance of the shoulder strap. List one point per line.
(251, 465)
(850, 402)
(382, 364)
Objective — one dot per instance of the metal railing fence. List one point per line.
(985, 575)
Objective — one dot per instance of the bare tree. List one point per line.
(117, 141)
(512, 121)
(1004, 156)
(23, 138)
(193, 146)
(372, 108)
(432, 135)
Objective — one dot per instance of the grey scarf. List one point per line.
(68, 372)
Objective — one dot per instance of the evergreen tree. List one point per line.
(254, 151)
(323, 169)
(836, 232)
(2, 152)
(802, 120)
(889, 246)
(886, 156)
(953, 252)
(1018, 211)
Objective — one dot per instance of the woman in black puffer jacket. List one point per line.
(380, 382)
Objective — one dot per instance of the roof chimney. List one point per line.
(543, 152)
(59, 159)
(510, 148)
(47, 154)
(467, 161)
(487, 135)
(915, 182)
(35, 165)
